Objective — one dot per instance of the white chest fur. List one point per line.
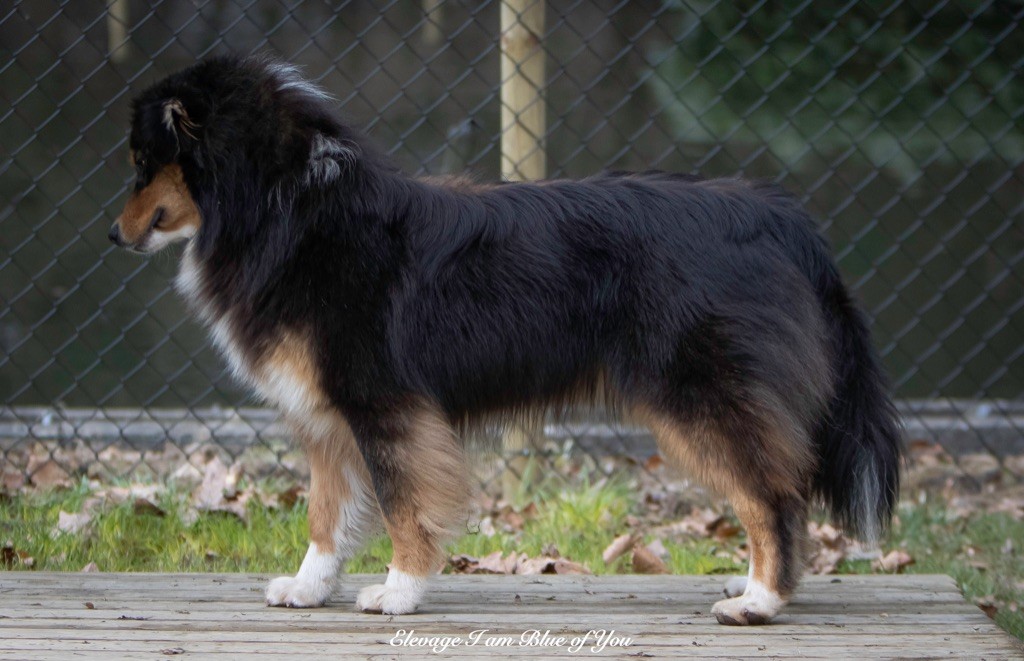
(284, 375)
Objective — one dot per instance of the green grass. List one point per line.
(118, 539)
(579, 521)
(940, 543)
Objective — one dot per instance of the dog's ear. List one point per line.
(176, 119)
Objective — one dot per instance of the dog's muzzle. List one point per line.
(115, 235)
(117, 238)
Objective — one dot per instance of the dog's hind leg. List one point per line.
(763, 474)
(342, 512)
(419, 474)
(775, 534)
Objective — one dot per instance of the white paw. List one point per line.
(735, 586)
(400, 594)
(757, 605)
(294, 592)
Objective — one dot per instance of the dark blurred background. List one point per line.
(899, 124)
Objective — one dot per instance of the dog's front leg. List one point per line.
(419, 475)
(342, 512)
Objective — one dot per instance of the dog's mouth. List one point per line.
(139, 245)
(158, 215)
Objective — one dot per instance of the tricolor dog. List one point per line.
(387, 316)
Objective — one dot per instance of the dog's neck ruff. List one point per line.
(280, 376)
(190, 284)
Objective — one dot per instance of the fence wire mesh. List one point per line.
(898, 123)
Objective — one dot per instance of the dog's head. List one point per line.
(224, 119)
(165, 132)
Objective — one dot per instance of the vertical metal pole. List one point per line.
(523, 156)
(433, 14)
(523, 110)
(117, 30)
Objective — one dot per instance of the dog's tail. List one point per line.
(859, 443)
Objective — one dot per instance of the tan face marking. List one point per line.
(167, 194)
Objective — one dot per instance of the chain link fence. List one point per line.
(898, 123)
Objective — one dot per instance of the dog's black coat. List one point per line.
(700, 299)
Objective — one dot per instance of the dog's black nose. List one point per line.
(115, 234)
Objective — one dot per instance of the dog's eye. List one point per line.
(140, 163)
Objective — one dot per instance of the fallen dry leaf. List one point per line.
(981, 466)
(513, 521)
(186, 477)
(147, 506)
(657, 548)
(988, 604)
(549, 566)
(210, 492)
(219, 490)
(618, 547)
(724, 529)
(7, 555)
(118, 495)
(825, 560)
(645, 562)
(653, 463)
(699, 522)
(486, 527)
(69, 523)
(290, 496)
(461, 563)
(12, 479)
(928, 453)
(894, 561)
(564, 566)
(496, 563)
(11, 557)
(49, 475)
(826, 534)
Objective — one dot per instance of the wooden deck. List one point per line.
(186, 616)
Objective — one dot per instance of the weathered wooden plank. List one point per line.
(434, 606)
(793, 649)
(582, 587)
(497, 592)
(667, 616)
(514, 637)
(159, 581)
(820, 634)
(357, 622)
(116, 631)
(241, 620)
